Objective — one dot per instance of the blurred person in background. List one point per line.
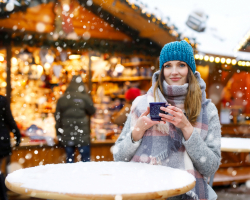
(72, 116)
(120, 117)
(7, 125)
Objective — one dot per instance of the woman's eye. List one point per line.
(167, 66)
(182, 65)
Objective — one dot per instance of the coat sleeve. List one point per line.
(90, 109)
(124, 149)
(206, 154)
(57, 116)
(9, 120)
(120, 117)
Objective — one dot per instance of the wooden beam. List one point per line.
(112, 35)
(90, 25)
(148, 33)
(27, 26)
(8, 69)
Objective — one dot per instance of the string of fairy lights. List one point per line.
(172, 30)
(243, 42)
(222, 60)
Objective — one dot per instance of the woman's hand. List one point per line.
(142, 124)
(178, 119)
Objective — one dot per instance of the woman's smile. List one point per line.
(175, 79)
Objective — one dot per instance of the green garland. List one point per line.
(245, 46)
(101, 45)
(22, 6)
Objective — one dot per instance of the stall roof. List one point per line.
(226, 27)
(109, 19)
(39, 16)
(42, 19)
(147, 24)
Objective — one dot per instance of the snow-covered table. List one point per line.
(235, 144)
(100, 180)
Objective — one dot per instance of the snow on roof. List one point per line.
(225, 28)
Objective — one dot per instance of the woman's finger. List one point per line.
(175, 108)
(172, 111)
(155, 122)
(146, 112)
(167, 118)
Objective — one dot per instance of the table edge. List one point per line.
(235, 150)
(16, 187)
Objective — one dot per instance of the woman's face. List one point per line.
(175, 72)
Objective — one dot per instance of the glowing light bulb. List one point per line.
(228, 61)
(74, 57)
(119, 68)
(1, 58)
(13, 60)
(39, 69)
(46, 66)
(234, 62)
(211, 59)
(217, 59)
(196, 56)
(222, 60)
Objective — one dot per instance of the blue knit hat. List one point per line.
(178, 51)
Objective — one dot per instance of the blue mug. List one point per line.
(155, 110)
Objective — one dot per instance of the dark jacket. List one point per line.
(7, 124)
(120, 117)
(72, 115)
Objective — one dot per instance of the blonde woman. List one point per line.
(188, 138)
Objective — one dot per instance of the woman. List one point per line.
(189, 138)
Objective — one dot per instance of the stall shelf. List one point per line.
(39, 153)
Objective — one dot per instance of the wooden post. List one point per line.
(8, 69)
(90, 75)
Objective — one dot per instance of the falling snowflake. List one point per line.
(144, 158)
(203, 159)
(40, 27)
(89, 3)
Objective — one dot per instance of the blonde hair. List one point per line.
(192, 103)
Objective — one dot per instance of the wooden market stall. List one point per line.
(227, 85)
(44, 44)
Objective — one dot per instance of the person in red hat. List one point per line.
(120, 117)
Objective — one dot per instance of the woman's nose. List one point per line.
(174, 70)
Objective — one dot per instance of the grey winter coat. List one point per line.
(195, 146)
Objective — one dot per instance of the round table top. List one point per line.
(100, 180)
(235, 144)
